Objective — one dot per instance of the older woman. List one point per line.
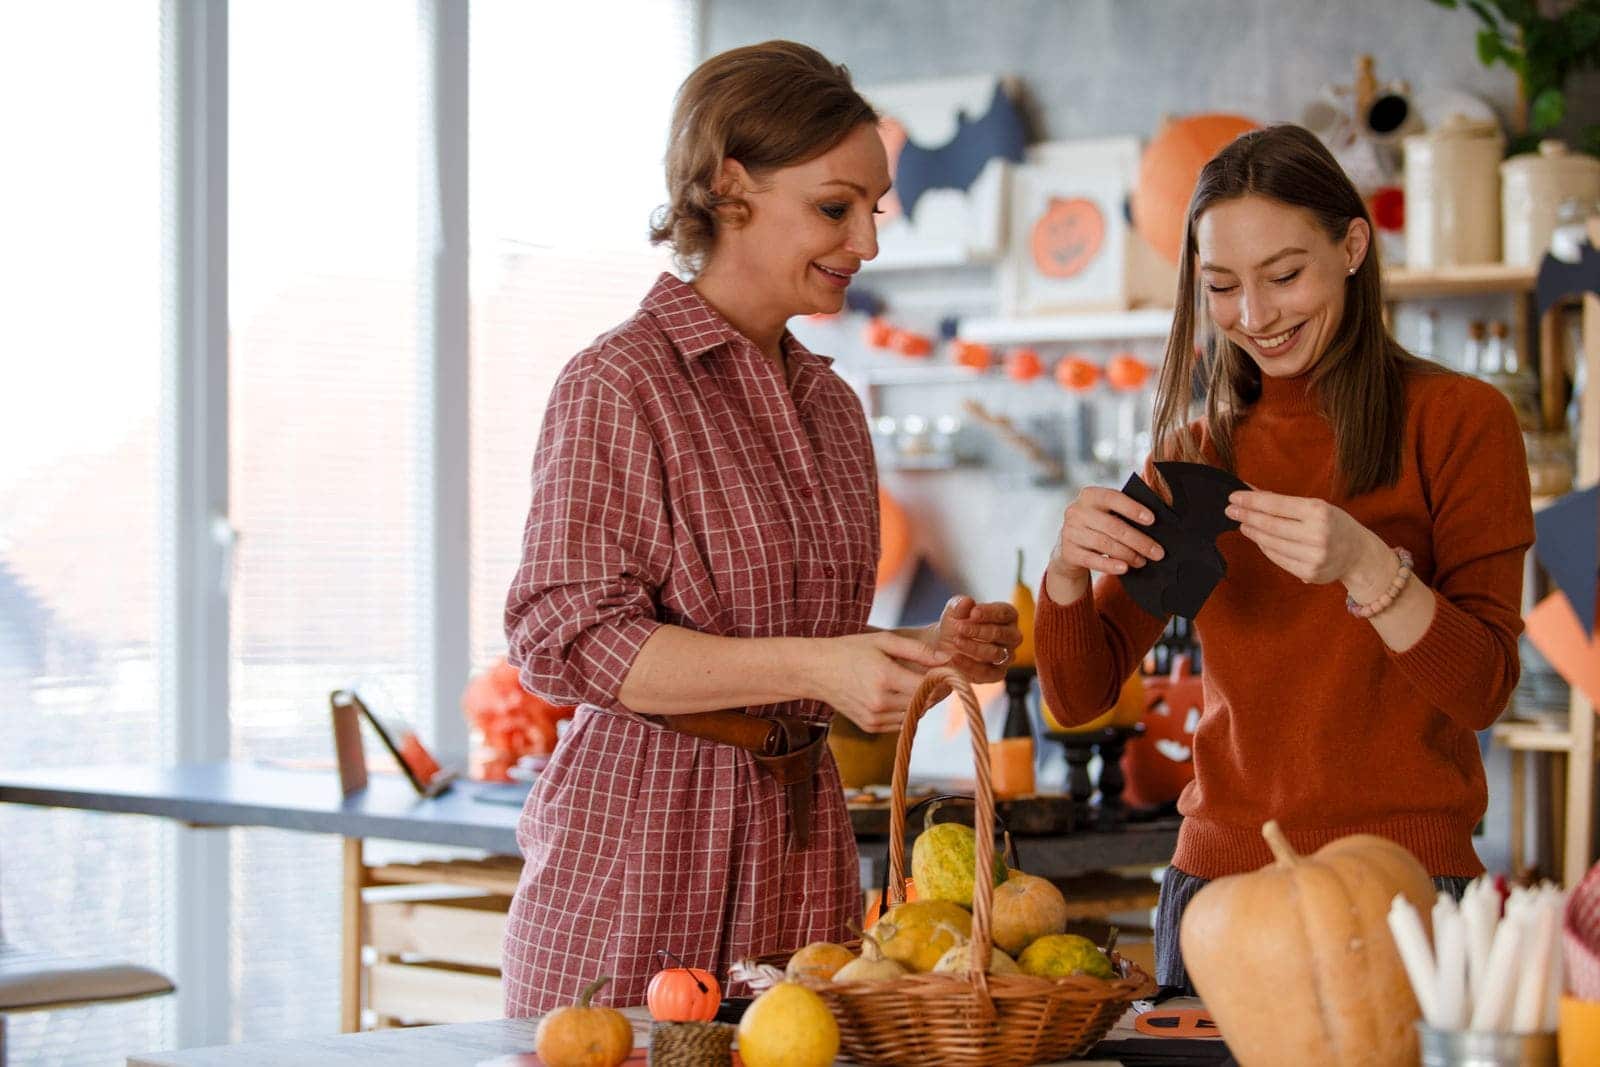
(700, 560)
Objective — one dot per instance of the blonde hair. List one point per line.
(768, 105)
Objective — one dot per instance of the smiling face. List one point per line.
(1274, 280)
(809, 228)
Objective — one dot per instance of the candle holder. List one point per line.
(1079, 749)
(1473, 1048)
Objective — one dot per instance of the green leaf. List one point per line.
(1447, 3)
(1490, 47)
(1547, 110)
(1481, 9)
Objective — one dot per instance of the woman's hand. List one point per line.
(980, 638)
(1315, 541)
(1098, 532)
(870, 678)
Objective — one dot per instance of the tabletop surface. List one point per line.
(251, 794)
(455, 1045)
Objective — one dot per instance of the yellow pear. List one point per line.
(788, 1026)
(1022, 600)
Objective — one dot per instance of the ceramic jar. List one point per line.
(1452, 185)
(1532, 188)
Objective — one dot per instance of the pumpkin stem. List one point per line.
(870, 949)
(1282, 851)
(929, 812)
(590, 990)
(1019, 566)
(667, 954)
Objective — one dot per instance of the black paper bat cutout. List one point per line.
(1559, 279)
(1187, 530)
(957, 163)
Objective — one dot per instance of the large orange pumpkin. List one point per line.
(1295, 961)
(1168, 170)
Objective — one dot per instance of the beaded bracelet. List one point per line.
(1367, 611)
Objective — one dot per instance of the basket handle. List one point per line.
(928, 694)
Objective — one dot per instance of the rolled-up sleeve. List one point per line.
(596, 548)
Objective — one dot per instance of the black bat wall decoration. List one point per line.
(957, 163)
(1187, 530)
(1559, 279)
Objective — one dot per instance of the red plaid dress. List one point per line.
(679, 479)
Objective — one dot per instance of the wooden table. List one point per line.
(462, 1045)
(232, 794)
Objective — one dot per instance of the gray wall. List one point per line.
(1097, 67)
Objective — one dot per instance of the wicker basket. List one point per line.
(980, 1019)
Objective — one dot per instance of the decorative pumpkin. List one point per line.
(943, 859)
(1067, 237)
(1128, 709)
(788, 1026)
(1168, 170)
(682, 994)
(971, 355)
(820, 959)
(1126, 372)
(1064, 955)
(919, 932)
(1295, 961)
(583, 1036)
(1023, 365)
(1025, 909)
(871, 966)
(1158, 765)
(959, 961)
(1076, 374)
(910, 343)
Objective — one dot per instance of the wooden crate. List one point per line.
(433, 993)
(464, 930)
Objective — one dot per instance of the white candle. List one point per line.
(1450, 960)
(1527, 1015)
(1480, 911)
(1492, 1010)
(1415, 955)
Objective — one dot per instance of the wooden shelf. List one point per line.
(1532, 737)
(1480, 280)
(1085, 326)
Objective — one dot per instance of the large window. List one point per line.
(566, 166)
(324, 442)
(80, 496)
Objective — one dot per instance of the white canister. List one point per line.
(1532, 187)
(1452, 185)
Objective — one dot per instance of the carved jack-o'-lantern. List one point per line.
(1158, 765)
(1067, 237)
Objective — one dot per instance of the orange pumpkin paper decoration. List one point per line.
(909, 343)
(1168, 171)
(972, 355)
(894, 539)
(682, 994)
(1023, 365)
(1158, 765)
(1126, 372)
(1076, 374)
(1067, 237)
(512, 721)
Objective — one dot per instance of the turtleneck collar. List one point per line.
(1288, 396)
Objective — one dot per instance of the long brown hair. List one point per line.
(1357, 382)
(769, 105)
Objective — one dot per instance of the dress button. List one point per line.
(807, 490)
(827, 568)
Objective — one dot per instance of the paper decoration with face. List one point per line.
(1158, 765)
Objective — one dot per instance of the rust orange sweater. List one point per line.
(1309, 718)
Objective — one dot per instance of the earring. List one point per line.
(1352, 270)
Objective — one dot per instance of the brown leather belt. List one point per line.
(788, 748)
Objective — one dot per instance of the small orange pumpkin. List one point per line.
(682, 994)
(583, 1036)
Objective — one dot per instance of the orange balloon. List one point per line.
(895, 537)
(1168, 171)
(972, 355)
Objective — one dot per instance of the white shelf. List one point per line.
(917, 372)
(1043, 329)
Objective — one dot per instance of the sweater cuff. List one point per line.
(1435, 663)
(1070, 630)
